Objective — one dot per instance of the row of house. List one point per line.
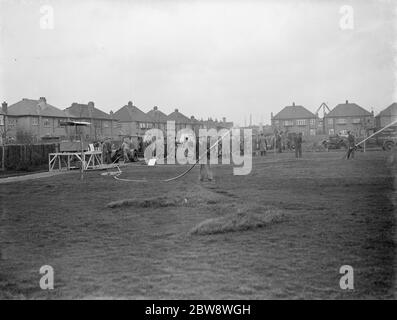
(344, 117)
(42, 121)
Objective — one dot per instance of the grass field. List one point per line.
(334, 213)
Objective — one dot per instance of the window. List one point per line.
(1, 120)
(276, 123)
(330, 122)
(35, 121)
(331, 132)
(357, 121)
(142, 125)
(312, 132)
(341, 121)
(12, 122)
(46, 122)
(312, 122)
(301, 122)
(106, 124)
(288, 123)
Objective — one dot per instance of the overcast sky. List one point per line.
(207, 58)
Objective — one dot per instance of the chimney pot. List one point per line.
(347, 101)
(176, 110)
(293, 103)
(155, 108)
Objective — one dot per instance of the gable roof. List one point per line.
(178, 117)
(130, 113)
(80, 110)
(390, 111)
(294, 112)
(30, 107)
(348, 110)
(156, 115)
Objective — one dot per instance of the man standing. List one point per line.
(278, 142)
(107, 151)
(262, 144)
(298, 145)
(351, 145)
(126, 150)
(205, 169)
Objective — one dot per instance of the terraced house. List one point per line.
(348, 117)
(133, 121)
(102, 125)
(295, 119)
(34, 120)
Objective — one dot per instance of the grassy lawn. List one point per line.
(335, 213)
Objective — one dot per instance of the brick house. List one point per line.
(133, 122)
(158, 117)
(102, 125)
(348, 117)
(295, 119)
(36, 119)
(386, 116)
(181, 121)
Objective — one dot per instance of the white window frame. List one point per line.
(341, 121)
(330, 121)
(312, 132)
(331, 132)
(35, 121)
(301, 122)
(356, 121)
(288, 123)
(47, 123)
(1, 120)
(312, 122)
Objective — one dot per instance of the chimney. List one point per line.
(4, 107)
(90, 109)
(224, 119)
(293, 104)
(155, 108)
(347, 101)
(130, 104)
(176, 110)
(271, 115)
(43, 100)
(192, 117)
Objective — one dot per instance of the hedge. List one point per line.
(26, 157)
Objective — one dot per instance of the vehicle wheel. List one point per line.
(388, 146)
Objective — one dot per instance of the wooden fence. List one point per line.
(25, 157)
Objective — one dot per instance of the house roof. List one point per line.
(1, 112)
(80, 110)
(130, 113)
(294, 112)
(348, 110)
(390, 111)
(30, 107)
(178, 117)
(156, 115)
